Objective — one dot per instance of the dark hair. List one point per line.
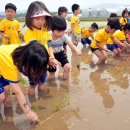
(129, 13)
(126, 27)
(34, 7)
(124, 11)
(10, 6)
(113, 16)
(114, 24)
(62, 9)
(58, 23)
(94, 26)
(31, 59)
(75, 7)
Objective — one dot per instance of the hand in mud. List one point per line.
(32, 117)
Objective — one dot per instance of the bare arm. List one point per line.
(4, 35)
(117, 41)
(74, 48)
(22, 102)
(72, 27)
(52, 61)
(101, 47)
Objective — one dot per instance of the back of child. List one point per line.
(87, 34)
(9, 27)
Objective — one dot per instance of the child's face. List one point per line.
(93, 29)
(126, 15)
(10, 13)
(38, 22)
(111, 31)
(77, 11)
(64, 14)
(58, 34)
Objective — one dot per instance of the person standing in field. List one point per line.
(10, 27)
(62, 11)
(75, 24)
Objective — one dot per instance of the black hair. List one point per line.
(114, 24)
(34, 7)
(124, 11)
(94, 26)
(129, 13)
(31, 59)
(10, 6)
(126, 27)
(113, 16)
(62, 9)
(75, 7)
(58, 23)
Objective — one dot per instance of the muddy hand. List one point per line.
(32, 117)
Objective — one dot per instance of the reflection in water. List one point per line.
(120, 73)
(102, 87)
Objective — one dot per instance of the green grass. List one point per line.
(91, 19)
(81, 19)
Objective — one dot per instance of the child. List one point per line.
(62, 11)
(97, 45)
(38, 20)
(121, 35)
(58, 37)
(75, 24)
(113, 47)
(16, 59)
(123, 20)
(87, 33)
(9, 27)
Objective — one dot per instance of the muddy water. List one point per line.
(94, 98)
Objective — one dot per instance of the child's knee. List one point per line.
(67, 68)
(103, 59)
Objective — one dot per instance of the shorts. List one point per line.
(85, 41)
(3, 83)
(112, 46)
(42, 80)
(62, 58)
(76, 38)
(94, 49)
